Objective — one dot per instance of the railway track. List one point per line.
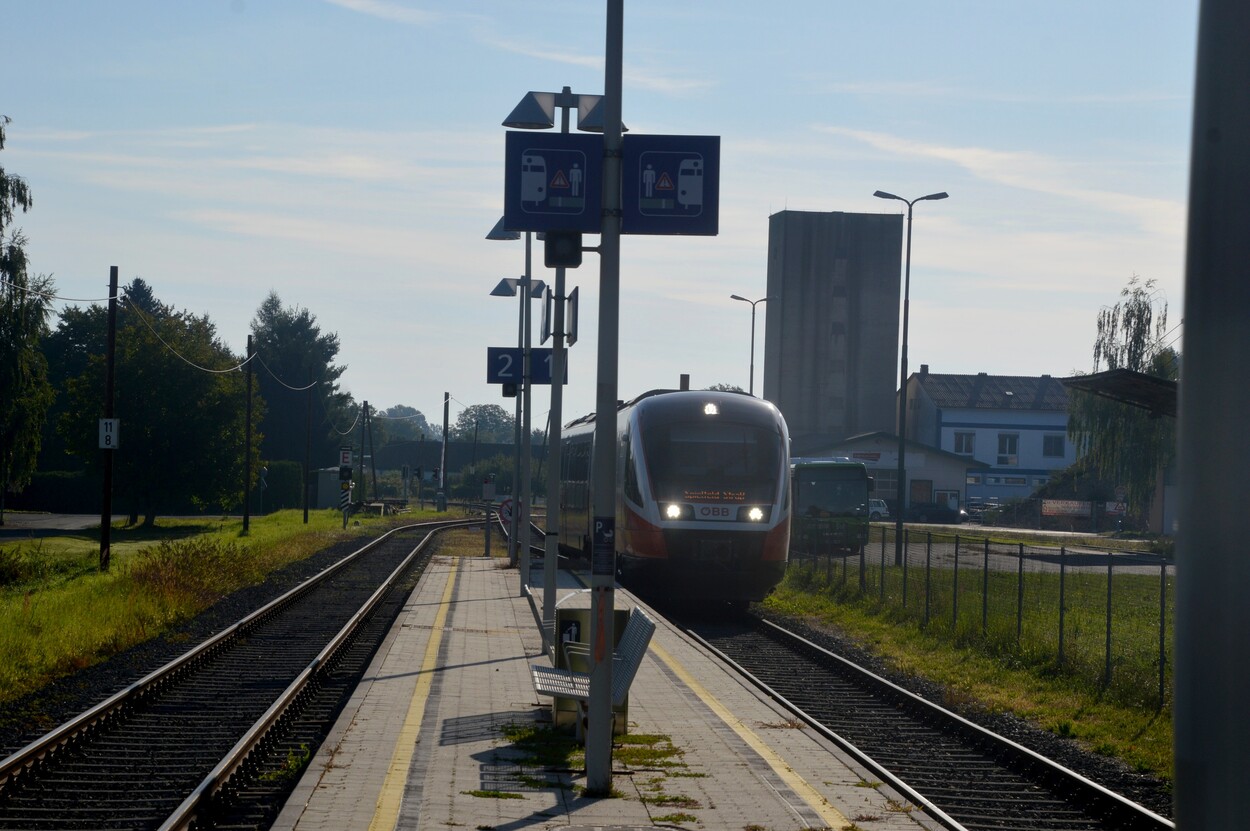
(963, 775)
(218, 736)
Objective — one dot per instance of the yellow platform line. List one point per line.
(386, 814)
(831, 816)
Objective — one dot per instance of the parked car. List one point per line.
(878, 510)
(977, 508)
(935, 512)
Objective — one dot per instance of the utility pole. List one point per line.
(247, 446)
(106, 513)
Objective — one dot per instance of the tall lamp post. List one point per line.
(902, 375)
(536, 111)
(753, 303)
(527, 288)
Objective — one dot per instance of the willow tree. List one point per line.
(25, 393)
(1118, 442)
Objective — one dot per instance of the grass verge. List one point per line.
(59, 613)
(1066, 705)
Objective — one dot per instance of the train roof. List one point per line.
(824, 460)
(589, 418)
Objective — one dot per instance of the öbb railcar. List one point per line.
(702, 494)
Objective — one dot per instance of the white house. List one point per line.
(1016, 425)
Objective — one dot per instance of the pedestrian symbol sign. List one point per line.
(553, 182)
(670, 185)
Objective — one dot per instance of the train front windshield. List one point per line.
(719, 462)
(830, 492)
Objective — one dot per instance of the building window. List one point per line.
(885, 483)
(965, 443)
(1009, 448)
(1015, 480)
(1053, 447)
(973, 479)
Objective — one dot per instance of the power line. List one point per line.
(274, 376)
(179, 355)
(53, 296)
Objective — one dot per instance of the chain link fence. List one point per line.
(1100, 614)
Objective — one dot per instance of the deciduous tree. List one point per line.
(487, 422)
(293, 352)
(180, 400)
(1120, 443)
(25, 393)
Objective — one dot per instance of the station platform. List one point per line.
(429, 738)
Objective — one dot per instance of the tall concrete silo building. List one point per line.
(831, 324)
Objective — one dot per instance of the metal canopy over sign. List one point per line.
(506, 365)
(553, 182)
(670, 185)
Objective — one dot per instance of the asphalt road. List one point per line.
(47, 525)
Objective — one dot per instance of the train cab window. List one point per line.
(731, 462)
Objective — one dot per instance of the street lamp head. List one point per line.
(942, 195)
(537, 111)
(506, 288)
(500, 232)
(883, 195)
(738, 297)
(590, 114)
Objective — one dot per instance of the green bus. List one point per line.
(830, 506)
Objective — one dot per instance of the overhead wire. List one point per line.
(178, 354)
(53, 296)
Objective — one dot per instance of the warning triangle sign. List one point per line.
(559, 180)
(665, 182)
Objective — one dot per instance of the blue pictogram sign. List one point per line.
(553, 182)
(670, 185)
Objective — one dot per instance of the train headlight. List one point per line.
(675, 510)
(753, 513)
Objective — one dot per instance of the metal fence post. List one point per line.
(1020, 594)
(928, 573)
(985, 590)
(955, 592)
(1163, 617)
(905, 559)
(1062, 575)
(1107, 671)
(863, 571)
(883, 573)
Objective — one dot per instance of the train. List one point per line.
(831, 506)
(702, 495)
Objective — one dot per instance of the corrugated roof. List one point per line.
(995, 392)
(1158, 395)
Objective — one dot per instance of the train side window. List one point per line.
(632, 491)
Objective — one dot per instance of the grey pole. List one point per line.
(1212, 678)
(524, 449)
(753, 303)
(902, 378)
(603, 555)
(516, 432)
(551, 542)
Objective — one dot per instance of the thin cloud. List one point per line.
(1031, 172)
(655, 80)
(928, 89)
(389, 11)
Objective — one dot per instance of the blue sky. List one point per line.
(348, 155)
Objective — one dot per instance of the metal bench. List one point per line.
(626, 658)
